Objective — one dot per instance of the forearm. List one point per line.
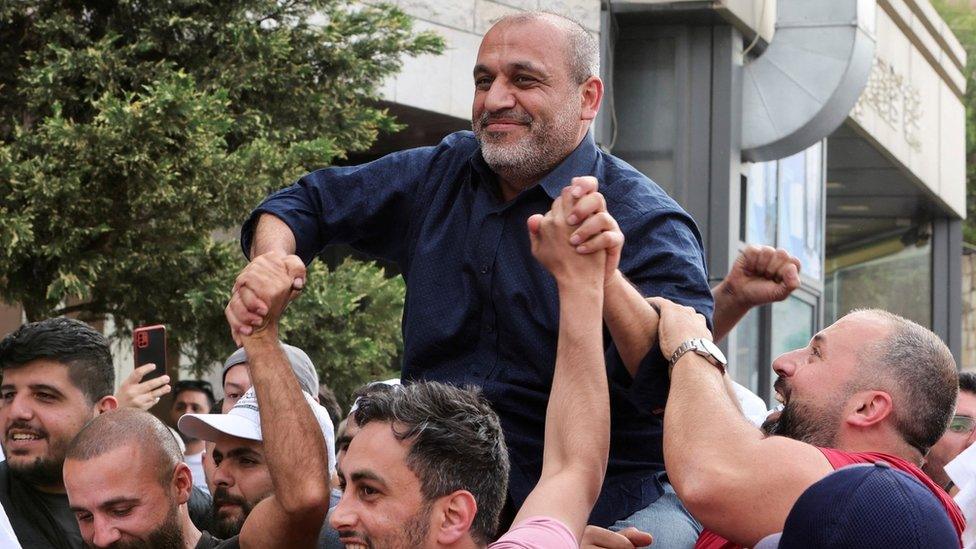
(272, 234)
(631, 320)
(577, 433)
(706, 445)
(728, 312)
(294, 444)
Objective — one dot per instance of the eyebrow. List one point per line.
(233, 385)
(513, 66)
(104, 504)
(46, 388)
(243, 452)
(367, 475)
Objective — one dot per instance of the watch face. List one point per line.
(714, 351)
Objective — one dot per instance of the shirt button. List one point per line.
(484, 269)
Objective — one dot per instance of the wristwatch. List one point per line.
(702, 347)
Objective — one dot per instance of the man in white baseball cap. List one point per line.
(242, 478)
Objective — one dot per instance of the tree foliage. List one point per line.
(960, 15)
(134, 133)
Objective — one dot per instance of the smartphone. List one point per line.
(149, 346)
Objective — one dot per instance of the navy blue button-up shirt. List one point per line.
(481, 310)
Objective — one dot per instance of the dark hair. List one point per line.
(327, 399)
(217, 407)
(78, 346)
(967, 382)
(128, 426)
(456, 443)
(194, 385)
(925, 378)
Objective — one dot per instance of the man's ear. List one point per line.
(591, 93)
(182, 483)
(868, 408)
(452, 516)
(106, 404)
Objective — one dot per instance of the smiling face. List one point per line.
(241, 480)
(528, 112)
(816, 382)
(119, 501)
(41, 411)
(381, 505)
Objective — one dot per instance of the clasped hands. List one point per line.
(261, 292)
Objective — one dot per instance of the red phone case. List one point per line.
(149, 346)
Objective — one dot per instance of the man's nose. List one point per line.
(222, 476)
(342, 516)
(500, 96)
(785, 364)
(105, 534)
(20, 408)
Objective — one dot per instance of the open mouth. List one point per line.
(23, 436)
(782, 394)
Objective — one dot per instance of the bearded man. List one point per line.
(57, 376)
(479, 309)
(872, 387)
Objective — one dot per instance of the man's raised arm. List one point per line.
(722, 466)
(577, 433)
(293, 443)
(271, 234)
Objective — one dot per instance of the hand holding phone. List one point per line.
(149, 347)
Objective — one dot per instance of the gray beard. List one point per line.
(544, 146)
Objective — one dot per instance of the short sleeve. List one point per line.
(537, 533)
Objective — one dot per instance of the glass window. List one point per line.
(894, 274)
(748, 354)
(761, 204)
(800, 224)
(784, 207)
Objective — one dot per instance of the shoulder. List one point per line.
(537, 533)
(631, 193)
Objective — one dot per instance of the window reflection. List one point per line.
(894, 274)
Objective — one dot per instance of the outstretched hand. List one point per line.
(678, 324)
(261, 293)
(142, 395)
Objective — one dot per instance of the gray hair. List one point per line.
(582, 48)
(923, 374)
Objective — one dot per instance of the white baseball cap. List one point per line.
(244, 421)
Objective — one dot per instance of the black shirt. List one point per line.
(209, 542)
(40, 520)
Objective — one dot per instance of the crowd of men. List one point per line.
(560, 385)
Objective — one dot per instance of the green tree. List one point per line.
(960, 15)
(134, 133)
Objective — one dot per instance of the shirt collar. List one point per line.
(579, 162)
